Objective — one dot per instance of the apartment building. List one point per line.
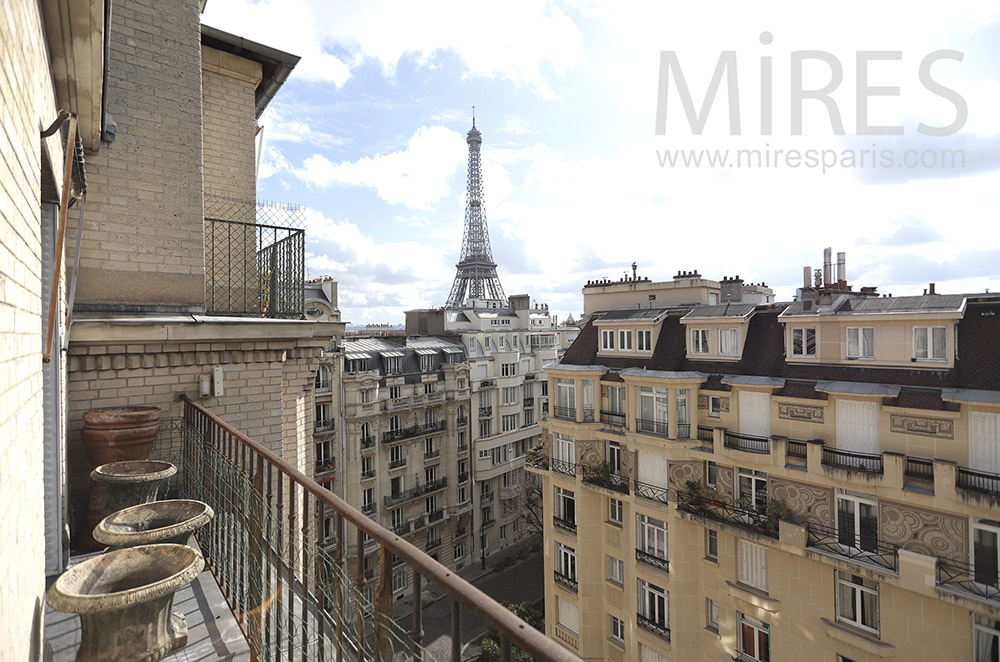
(812, 480)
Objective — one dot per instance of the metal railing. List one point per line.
(462, 421)
(706, 433)
(395, 464)
(463, 476)
(325, 465)
(528, 403)
(862, 547)
(430, 455)
(323, 426)
(588, 415)
(462, 448)
(369, 509)
(435, 515)
(661, 428)
(323, 386)
(414, 492)
(747, 443)
(651, 492)
(487, 383)
(603, 477)
(294, 597)
(964, 576)
(564, 524)
(368, 475)
(432, 543)
(867, 462)
(643, 556)
(486, 497)
(796, 448)
(537, 459)
(564, 467)
(720, 511)
(659, 629)
(918, 468)
(368, 442)
(402, 528)
(254, 270)
(568, 413)
(978, 481)
(616, 418)
(565, 580)
(683, 430)
(485, 412)
(392, 436)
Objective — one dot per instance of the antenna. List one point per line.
(473, 117)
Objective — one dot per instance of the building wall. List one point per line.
(26, 107)
(629, 294)
(229, 111)
(143, 241)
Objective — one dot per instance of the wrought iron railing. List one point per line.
(487, 383)
(604, 477)
(565, 580)
(616, 418)
(588, 415)
(964, 576)
(369, 509)
(796, 448)
(430, 455)
(485, 412)
(392, 436)
(747, 443)
(401, 528)
(414, 492)
(683, 430)
(296, 596)
(564, 467)
(463, 476)
(643, 556)
(565, 524)
(462, 421)
(368, 475)
(658, 628)
(435, 515)
(706, 433)
(323, 386)
(978, 481)
(528, 403)
(651, 492)
(649, 426)
(864, 547)
(323, 426)
(432, 543)
(568, 413)
(536, 458)
(486, 497)
(395, 464)
(919, 469)
(368, 442)
(325, 465)
(703, 506)
(853, 460)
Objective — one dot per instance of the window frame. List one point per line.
(857, 590)
(607, 340)
(566, 561)
(759, 628)
(712, 545)
(712, 609)
(699, 341)
(624, 340)
(616, 629)
(715, 406)
(729, 335)
(649, 533)
(616, 570)
(643, 340)
(649, 611)
(616, 511)
(860, 332)
(928, 332)
(803, 342)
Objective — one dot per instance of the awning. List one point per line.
(453, 350)
(971, 395)
(753, 380)
(425, 352)
(392, 354)
(857, 388)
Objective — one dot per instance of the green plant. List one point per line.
(776, 511)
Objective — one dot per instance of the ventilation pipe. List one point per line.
(841, 267)
(806, 277)
(827, 266)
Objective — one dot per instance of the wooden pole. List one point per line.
(60, 235)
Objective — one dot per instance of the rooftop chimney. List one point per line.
(842, 268)
(827, 266)
(806, 277)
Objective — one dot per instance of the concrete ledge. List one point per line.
(859, 639)
(754, 597)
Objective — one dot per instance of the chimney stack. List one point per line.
(806, 277)
(842, 268)
(827, 266)
(932, 289)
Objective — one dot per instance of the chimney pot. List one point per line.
(932, 288)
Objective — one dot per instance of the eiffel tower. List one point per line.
(476, 277)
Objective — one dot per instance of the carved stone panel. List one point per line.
(629, 463)
(589, 452)
(724, 404)
(800, 413)
(615, 597)
(702, 402)
(809, 502)
(724, 480)
(681, 472)
(924, 531)
(942, 428)
(615, 654)
(614, 537)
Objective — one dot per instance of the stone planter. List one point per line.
(170, 521)
(131, 483)
(125, 598)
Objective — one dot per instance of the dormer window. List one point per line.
(728, 342)
(426, 363)
(699, 341)
(930, 343)
(393, 365)
(644, 340)
(607, 340)
(803, 342)
(625, 341)
(860, 342)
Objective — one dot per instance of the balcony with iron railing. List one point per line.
(487, 383)
(604, 476)
(369, 509)
(565, 413)
(435, 515)
(325, 465)
(657, 627)
(588, 414)
(485, 412)
(706, 434)
(462, 448)
(463, 476)
(565, 580)
(564, 524)
(705, 506)
(796, 448)
(323, 386)
(616, 418)
(528, 403)
(323, 426)
(462, 421)
(401, 528)
(648, 426)
(853, 460)
(432, 455)
(654, 560)
(432, 543)
(368, 442)
(265, 547)
(864, 547)
(396, 464)
(394, 436)
(977, 481)
(683, 430)
(564, 467)
(414, 492)
(747, 443)
(486, 497)
(651, 491)
(368, 475)
(963, 577)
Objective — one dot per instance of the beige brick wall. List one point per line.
(26, 104)
(228, 86)
(143, 237)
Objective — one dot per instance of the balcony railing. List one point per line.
(565, 524)
(414, 492)
(648, 426)
(368, 442)
(796, 448)
(604, 477)
(395, 464)
(565, 580)
(462, 448)
(435, 515)
(977, 481)
(433, 544)
(487, 383)
(683, 430)
(652, 559)
(658, 628)
(486, 497)
(616, 418)
(253, 270)
(392, 436)
(462, 421)
(368, 475)
(369, 509)
(323, 426)
(747, 443)
(297, 599)
(852, 460)
(463, 476)
(588, 415)
(564, 467)
(529, 403)
(706, 433)
(430, 455)
(863, 547)
(487, 521)
(485, 412)
(401, 529)
(704, 506)
(323, 386)
(919, 469)
(325, 465)
(651, 492)
(529, 377)
(568, 413)
(963, 576)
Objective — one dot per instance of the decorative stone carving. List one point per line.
(724, 480)
(629, 463)
(800, 413)
(924, 531)
(702, 402)
(681, 472)
(809, 502)
(614, 538)
(942, 428)
(724, 404)
(615, 597)
(589, 452)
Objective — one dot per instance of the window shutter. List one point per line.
(845, 523)
(652, 469)
(869, 528)
(755, 413)
(984, 441)
(857, 426)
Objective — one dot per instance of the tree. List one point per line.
(531, 502)
(490, 645)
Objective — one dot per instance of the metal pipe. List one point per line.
(60, 236)
(827, 266)
(456, 631)
(841, 267)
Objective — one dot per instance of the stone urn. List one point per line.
(171, 521)
(133, 482)
(124, 599)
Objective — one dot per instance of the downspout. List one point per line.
(107, 69)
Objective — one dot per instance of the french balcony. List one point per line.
(588, 415)
(369, 509)
(565, 413)
(401, 529)
(435, 515)
(747, 443)
(394, 436)
(462, 421)
(463, 477)
(651, 492)
(977, 481)
(721, 511)
(485, 497)
(488, 521)
(368, 442)
(853, 460)
(706, 434)
(396, 464)
(462, 448)
(325, 465)
(432, 455)
(368, 475)
(485, 412)
(414, 492)
(616, 418)
(602, 476)
(433, 544)
(648, 426)
(564, 524)
(863, 548)
(487, 383)
(272, 515)
(918, 472)
(323, 426)
(529, 403)
(657, 627)
(564, 467)
(964, 577)
(419, 523)
(565, 580)
(323, 386)
(537, 459)
(683, 430)
(642, 556)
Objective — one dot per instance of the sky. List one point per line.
(586, 130)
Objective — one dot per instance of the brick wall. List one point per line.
(143, 239)
(26, 103)
(228, 86)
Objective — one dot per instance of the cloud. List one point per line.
(912, 232)
(416, 176)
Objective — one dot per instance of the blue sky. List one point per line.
(369, 131)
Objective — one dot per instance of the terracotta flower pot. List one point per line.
(115, 434)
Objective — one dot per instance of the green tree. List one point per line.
(490, 644)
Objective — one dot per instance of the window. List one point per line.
(430, 474)
(396, 486)
(616, 570)
(565, 398)
(398, 581)
(323, 378)
(651, 409)
(502, 342)
(484, 454)
(616, 400)
(393, 365)
(324, 453)
(712, 615)
(366, 395)
(426, 363)
(367, 466)
(566, 615)
(396, 517)
(485, 428)
(651, 536)
(857, 521)
(484, 399)
(714, 405)
(711, 474)
(647, 654)
(860, 342)
(653, 604)
(754, 639)
(430, 387)
(461, 382)
(751, 564)
(614, 510)
(395, 392)
(712, 545)
(985, 639)
(613, 458)
(617, 629)
(565, 506)
(683, 418)
(429, 446)
(751, 489)
(529, 417)
(607, 340)
(699, 341)
(368, 496)
(323, 420)
(728, 342)
(508, 369)
(986, 553)
(803, 342)
(395, 424)
(857, 601)
(566, 561)
(462, 495)
(625, 340)
(503, 532)
(395, 456)
(929, 343)
(357, 365)
(510, 395)
(487, 515)
(644, 340)
(430, 418)
(459, 552)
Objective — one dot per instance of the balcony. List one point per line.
(485, 412)
(706, 434)
(564, 524)
(432, 455)
(267, 511)
(435, 515)
(369, 509)
(414, 492)
(852, 460)
(643, 556)
(565, 580)
(720, 511)
(963, 577)
(603, 476)
(487, 383)
(918, 472)
(683, 430)
(368, 442)
(462, 448)
(977, 481)
(368, 475)
(401, 529)
(564, 467)
(747, 443)
(796, 448)
(651, 492)
(659, 428)
(419, 523)
(395, 464)
(463, 477)
(588, 415)
(487, 521)
(529, 377)
(537, 459)
(486, 497)
(323, 426)
(325, 465)
(565, 413)
(462, 421)
(658, 628)
(323, 386)
(394, 436)
(529, 403)
(616, 418)
(396, 403)
(862, 548)
(432, 544)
